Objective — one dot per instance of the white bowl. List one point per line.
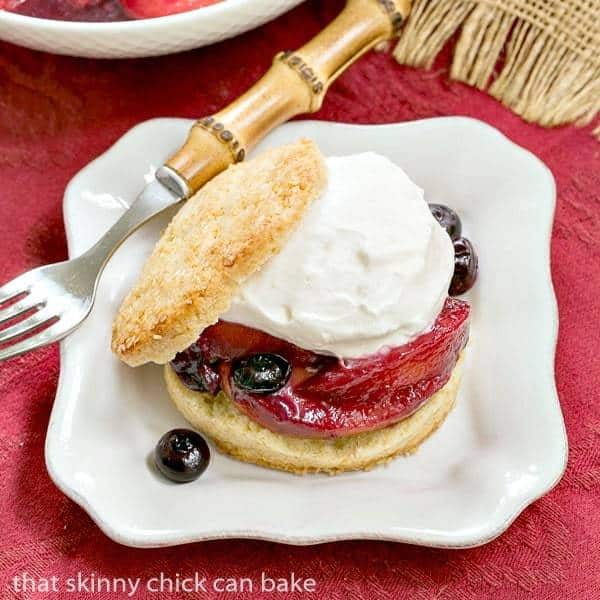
(145, 37)
(502, 447)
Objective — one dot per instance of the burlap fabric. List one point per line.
(539, 57)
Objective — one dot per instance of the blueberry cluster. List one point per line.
(465, 257)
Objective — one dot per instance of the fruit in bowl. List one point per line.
(101, 10)
(144, 9)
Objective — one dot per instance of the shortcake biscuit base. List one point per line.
(237, 435)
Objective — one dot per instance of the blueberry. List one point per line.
(448, 219)
(182, 455)
(465, 267)
(261, 373)
(193, 372)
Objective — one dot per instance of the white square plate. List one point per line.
(501, 448)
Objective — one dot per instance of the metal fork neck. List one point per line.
(155, 198)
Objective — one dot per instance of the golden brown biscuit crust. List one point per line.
(237, 435)
(222, 235)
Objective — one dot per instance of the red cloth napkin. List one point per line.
(57, 114)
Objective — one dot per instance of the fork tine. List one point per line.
(19, 308)
(19, 285)
(52, 334)
(28, 324)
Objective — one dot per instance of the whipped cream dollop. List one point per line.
(367, 268)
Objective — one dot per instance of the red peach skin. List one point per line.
(145, 9)
(329, 398)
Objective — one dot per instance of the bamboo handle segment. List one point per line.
(296, 83)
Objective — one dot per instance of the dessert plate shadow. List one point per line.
(502, 447)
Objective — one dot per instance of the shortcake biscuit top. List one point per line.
(222, 235)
